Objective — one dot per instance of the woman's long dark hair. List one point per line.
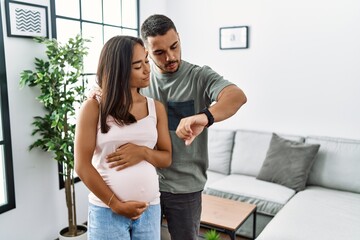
(113, 77)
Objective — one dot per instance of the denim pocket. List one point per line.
(179, 110)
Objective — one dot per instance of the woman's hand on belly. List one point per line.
(125, 156)
(130, 209)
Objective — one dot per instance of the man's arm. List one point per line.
(229, 101)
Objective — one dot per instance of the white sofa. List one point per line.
(329, 206)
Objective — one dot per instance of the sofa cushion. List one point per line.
(213, 177)
(316, 213)
(288, 162)
(250, 149)
(269, 197)
(337, 165)
(220, 144)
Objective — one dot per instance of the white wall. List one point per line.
(301, 73)
(149, 7)
(40, 206)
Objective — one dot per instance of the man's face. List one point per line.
(165, 51)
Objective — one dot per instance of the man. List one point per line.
(187, 91)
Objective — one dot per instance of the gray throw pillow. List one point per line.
(288, 162)
(220, 144)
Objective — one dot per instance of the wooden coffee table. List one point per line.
(226, 215)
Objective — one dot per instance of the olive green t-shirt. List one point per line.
(185, 93)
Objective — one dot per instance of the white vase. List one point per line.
(82, 236)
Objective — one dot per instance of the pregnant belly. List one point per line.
(139, 182)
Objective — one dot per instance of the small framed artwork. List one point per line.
(26, 19)
(234, 37)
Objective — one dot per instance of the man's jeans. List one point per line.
(182, 212)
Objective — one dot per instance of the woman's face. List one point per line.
(140, 68)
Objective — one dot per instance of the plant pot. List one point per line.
(82, 231)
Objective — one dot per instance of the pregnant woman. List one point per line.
(124, 201)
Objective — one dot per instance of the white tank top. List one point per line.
(139, 182)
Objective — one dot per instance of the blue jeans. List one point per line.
(104, 224)
(182, 212)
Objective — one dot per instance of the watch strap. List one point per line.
(209, 116)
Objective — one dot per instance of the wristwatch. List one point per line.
(209, 116)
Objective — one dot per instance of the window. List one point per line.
(7, 193)
(97, 20)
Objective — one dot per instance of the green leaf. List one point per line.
(212, 235)
(58, 78)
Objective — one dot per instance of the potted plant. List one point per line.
(212, 235)
(59, 79)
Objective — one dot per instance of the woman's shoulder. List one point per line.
(159, 106)
(91, 106)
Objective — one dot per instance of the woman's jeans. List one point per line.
(104, 224)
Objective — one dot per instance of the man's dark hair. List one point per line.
(155, 25)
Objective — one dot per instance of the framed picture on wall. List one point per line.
(234, 37)
(26, 19)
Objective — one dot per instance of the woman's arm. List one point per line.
(162, 156)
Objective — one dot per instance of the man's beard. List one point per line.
(164, 68)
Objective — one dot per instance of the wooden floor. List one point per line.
(165, 234)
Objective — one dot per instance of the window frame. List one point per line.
(6, 141)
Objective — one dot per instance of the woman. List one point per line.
(124, 200)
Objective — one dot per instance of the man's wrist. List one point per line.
(209, 116)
